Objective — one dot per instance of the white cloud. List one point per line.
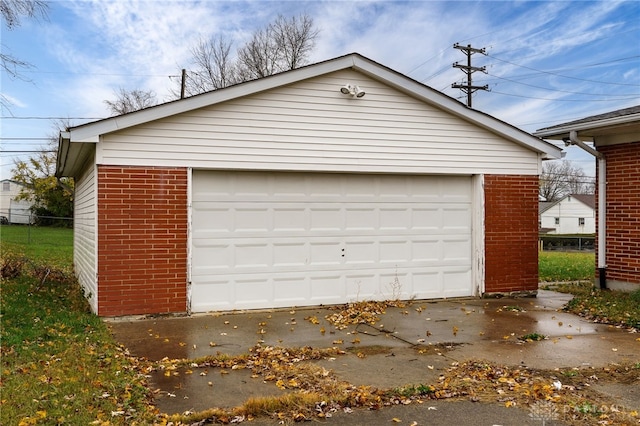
(12, 100)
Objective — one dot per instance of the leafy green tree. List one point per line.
(52, 197)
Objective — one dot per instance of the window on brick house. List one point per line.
(557, 221)
(581, 221)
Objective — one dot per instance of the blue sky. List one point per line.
(547, 61)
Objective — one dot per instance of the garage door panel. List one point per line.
(212, 256)
(277, 239)
(363, 286)
(456, 219)
(253, 291)
(324, 253)
(290, 219)
(457, 282)
(456, 250)
(326, 219)
(252, 255)
(329, 287)
(252, 219)
(290, 254)
(360, 218)
(395, 251)
(212, 295)
(396, 218)
(291, 291)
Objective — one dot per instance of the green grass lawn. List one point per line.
(39, 243)
(59, 364)
(576, 271)
(566, 266)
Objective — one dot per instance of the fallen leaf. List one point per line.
(396, 420)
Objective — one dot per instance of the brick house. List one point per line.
(616, 145)
(339, 181)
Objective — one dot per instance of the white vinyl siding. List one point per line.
(565, 217)
(84, 233)
(266, 240)
(311, 126)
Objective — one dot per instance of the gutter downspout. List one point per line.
(602, 197)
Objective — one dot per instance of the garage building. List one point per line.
(339, 181)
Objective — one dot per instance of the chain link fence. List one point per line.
(584, 243)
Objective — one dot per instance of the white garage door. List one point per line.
(264, 240)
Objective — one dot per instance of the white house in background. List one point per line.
(12, 210)
(572, 214)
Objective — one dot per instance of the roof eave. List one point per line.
(91, 132)
(562, 131)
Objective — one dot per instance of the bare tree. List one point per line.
(259, 57)
(214, 67)
(283, 45)
(12, 12)
(297, 36)
(129, 101)
(560, 178)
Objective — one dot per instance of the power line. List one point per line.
(554, 90)
(24, 139)
(566, 100)
(11, 117)
(564, 76)
(25, 151)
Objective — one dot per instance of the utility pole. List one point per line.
(182, 84)
(467, 86)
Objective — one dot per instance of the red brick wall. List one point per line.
(142, 240)
(511, 233)
(623, 212)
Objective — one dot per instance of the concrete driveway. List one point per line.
(410, 345)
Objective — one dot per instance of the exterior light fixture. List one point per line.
(353, 90)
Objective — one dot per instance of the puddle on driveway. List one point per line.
(508, 325)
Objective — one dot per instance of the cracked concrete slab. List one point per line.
(409, 345)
